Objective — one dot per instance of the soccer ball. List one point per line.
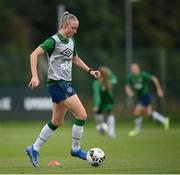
(95, 156)
(102, 128)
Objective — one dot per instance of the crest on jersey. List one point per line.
(69, 89)
(67, 52)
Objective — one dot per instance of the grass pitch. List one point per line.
(153, 151)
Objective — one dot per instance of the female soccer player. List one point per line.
(139, 83)
(103, 100)
(61, 53)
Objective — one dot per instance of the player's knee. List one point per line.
(82, 116)
(136, 113)
(57, 122)
(149, 114)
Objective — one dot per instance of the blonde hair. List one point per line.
(105, 77)
(66, 18)
(104, 69)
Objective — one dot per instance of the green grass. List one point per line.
(153, 151)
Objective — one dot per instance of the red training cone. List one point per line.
(54, 163)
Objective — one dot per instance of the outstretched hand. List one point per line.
(95, 73)
(34, 82)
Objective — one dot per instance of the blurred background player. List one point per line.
(103, 101)
(138, 84)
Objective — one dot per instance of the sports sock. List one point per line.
(99, 118)
(157, 116)
(46, 132)
(111, 125)
(138, 124)
(77, 132)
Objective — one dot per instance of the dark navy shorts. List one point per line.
(145, 100)
(61, 91)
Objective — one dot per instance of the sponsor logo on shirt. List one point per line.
(67, 52)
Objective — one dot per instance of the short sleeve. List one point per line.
(48, 46)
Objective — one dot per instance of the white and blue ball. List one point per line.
(95, 156)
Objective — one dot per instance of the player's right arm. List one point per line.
(129, 90)
(33, 61)
(46, 47)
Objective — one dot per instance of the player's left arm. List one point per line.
(158, 86)
(77, 61)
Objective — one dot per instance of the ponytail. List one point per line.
(66, 17)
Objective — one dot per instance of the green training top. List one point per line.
(140, 83)
(103, 98)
